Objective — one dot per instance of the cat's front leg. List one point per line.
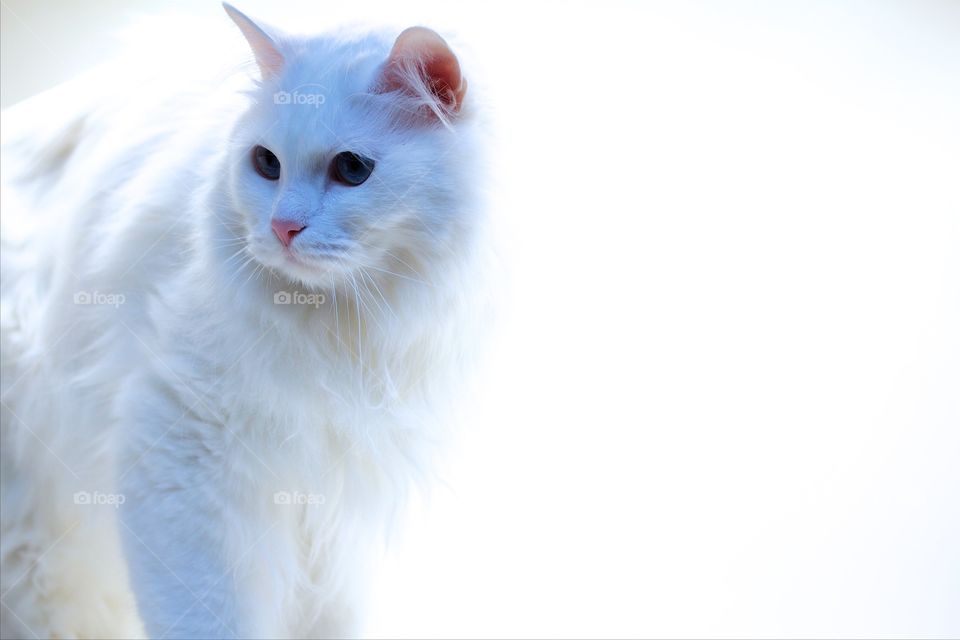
(196, 554)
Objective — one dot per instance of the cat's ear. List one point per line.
(265, 49)
(422, 61)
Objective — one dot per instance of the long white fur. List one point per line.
(189, 396)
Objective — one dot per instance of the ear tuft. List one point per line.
(421, 54)
(264, 48)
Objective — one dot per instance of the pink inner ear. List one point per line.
(265, 50)
(439, 64)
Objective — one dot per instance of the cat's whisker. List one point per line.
(258, 272)
(380, 292)
(366, 307)
(251, 276)
(363, 281)
(421, 279)
(227, 243)
(246, 260)
(336, 315)
(398, 275)
(235, 254)
(239, 270)
(406, 264)
(359, 331)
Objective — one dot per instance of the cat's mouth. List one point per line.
(316, 263)
(329, 249)
(309, 261)
(318, 254)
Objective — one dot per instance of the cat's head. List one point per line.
(353, 157)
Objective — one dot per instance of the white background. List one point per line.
(723, 395)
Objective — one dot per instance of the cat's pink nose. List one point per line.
(286, 230)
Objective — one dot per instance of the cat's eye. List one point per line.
(351, 169)
(266, 163)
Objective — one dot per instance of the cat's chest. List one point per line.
(312, 402)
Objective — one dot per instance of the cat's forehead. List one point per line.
(323, 99)
(333, 69)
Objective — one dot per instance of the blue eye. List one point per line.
(351, 169)
(266, 163)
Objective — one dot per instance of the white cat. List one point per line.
(229, 313)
